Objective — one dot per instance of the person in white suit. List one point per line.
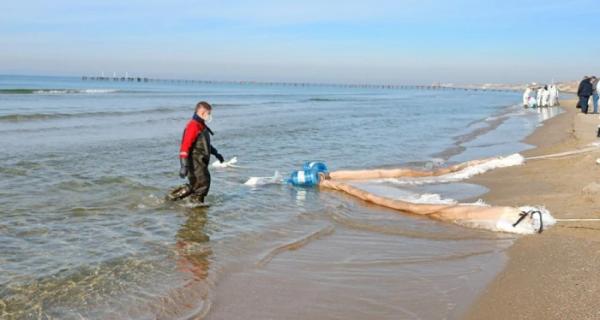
(545, 96)
(553, 96)
(526, 95)
(539, 97)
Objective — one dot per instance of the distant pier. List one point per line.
(295, 84)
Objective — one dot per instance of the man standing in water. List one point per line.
(195, 154)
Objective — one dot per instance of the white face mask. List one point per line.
(209, 118)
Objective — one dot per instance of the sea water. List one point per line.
(85, 231)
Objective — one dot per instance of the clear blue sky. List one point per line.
(419, 41)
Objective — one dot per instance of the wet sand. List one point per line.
(342, 272)
(554, 275)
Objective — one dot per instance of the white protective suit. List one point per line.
(553, 96)
(539, 97)
(545, 97)
(526, 95)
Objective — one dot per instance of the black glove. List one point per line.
(183, 172)
(220, 157)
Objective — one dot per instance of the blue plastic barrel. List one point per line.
(318, 167)
(304, 178)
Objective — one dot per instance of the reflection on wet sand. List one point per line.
(547, 113)
(191, 299)
(193, 245)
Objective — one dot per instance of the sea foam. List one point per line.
(466, 173)
(531, 224)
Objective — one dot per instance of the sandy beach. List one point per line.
(553, 275)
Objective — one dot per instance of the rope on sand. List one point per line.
(594, 147)
(564, 154)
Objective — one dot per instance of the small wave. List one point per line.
(428, 198)
(21, 117)
(507, 115)
(412, 231)
(31, 117)
(228, 105)
(481, 127)
(189, 204)
(343, 98)
(295, 245)
(58, 91)
(13, 171)
(323, 99)
(411, 260)
(85, 285)
(123, 181)
(80, 211)
(73, 185)
(150, 201)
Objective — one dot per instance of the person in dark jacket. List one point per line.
(194, 155)
(584, 92)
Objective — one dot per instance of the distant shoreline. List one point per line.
(563, 86)
(306, 84)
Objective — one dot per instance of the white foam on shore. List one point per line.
(529, 225)
(500, 162)
(74, 91)
(429, 198)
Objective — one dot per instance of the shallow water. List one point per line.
(85, 232)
